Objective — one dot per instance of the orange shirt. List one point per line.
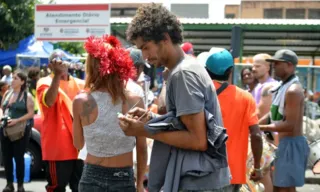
(238, 112)
(56, 128)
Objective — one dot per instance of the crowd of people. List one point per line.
(203, 128)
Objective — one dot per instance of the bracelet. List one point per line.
(258, 170)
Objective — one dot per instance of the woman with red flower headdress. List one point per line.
(109, 162)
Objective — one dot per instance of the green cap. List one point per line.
(285, 55)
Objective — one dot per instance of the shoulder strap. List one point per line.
(25, 98)
(7, 95)
(222, 87)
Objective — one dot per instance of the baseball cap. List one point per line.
(187, 48)
(285, 55)
(137, 58)
(217, 60)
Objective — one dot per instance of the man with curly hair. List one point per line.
(190, 95)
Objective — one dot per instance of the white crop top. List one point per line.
(104, 137)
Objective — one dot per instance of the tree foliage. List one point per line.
(71, 47)
(17, 21)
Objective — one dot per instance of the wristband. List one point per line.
(258, 170)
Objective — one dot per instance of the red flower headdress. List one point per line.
(113, 58)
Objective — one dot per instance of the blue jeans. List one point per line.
(103, 179)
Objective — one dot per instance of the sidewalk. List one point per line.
(312, 178)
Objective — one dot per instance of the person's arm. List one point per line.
(52, 93)
(162, 100)
(255, 133)
(142, 159)
(59, 68)
(265, 101)
(264, 120)
(256, 144)
(293, 100)
(188, 97)
(141, 146)
(3, 98)
(78, 139)
(194, 138)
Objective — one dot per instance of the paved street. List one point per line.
(37, 185)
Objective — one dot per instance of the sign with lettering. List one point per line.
(71, 22)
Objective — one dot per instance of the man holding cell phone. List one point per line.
(55, 94)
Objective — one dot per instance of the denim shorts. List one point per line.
(104, 179)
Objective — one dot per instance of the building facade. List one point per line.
(266, 9)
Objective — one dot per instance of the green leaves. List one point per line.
(72, 47)
(16, 21)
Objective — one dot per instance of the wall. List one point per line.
(232, 9)
(255, 9)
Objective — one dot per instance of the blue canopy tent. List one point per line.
(28, 46)
(30, 53)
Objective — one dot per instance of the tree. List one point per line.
(17, 21)
(71, 47)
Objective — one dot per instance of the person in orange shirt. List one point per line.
(55, 94)
(239, 116)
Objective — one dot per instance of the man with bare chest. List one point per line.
(285, 118)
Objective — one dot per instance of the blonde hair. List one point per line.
(261, 58)
(112, 82)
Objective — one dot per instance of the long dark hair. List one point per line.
(24, 78)
(242, 71)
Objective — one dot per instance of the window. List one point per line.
(191, 10)
(272, 14)
(230, 16)
(123, 12)
(130, 12)
(295, 13)
(314, 14)
(115, 12)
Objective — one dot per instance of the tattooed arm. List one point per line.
(85, 111)
(265, 101)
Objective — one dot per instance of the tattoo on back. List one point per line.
(88, 107)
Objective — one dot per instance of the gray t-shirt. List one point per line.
(190, 90)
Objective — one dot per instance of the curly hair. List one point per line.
(151, 22)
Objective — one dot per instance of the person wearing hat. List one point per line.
(134, 85)
(239, 116)
(187, 48)
(286, 118)
(55, 94)
(139, 62)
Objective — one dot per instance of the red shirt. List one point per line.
(56, 129)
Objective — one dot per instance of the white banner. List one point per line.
(71, 22)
